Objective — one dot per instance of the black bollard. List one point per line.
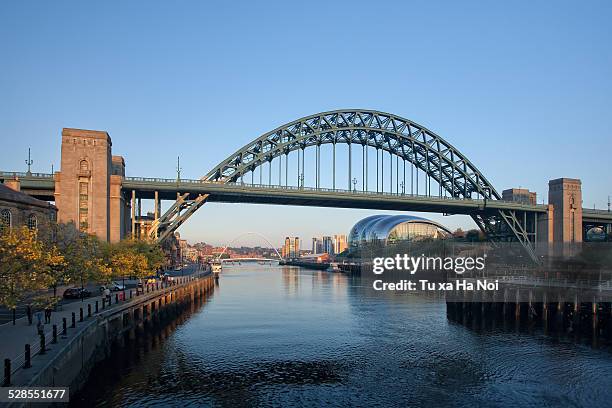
(80, 314)
(7, 372)
(73, 320)
(28, 357)
(89, 310)
(42, 344)
(116, 298)
(103, 303)
(64, 326)
(131, 293)
(96, 306)
(54, 334)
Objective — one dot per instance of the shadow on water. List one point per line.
(127, 356)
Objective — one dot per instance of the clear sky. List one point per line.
(524, 89)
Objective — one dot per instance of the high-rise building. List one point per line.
(317, 245)
(340, 244)
(291, 249)
(328, 245)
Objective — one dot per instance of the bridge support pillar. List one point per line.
(157, 209)
(133, 214)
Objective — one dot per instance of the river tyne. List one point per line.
(287, 336)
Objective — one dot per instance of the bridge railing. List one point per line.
(300, 188)
(7, 174)
(15, 174)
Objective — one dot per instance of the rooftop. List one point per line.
(8, 194)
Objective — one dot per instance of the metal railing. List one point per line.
(15, 174)
(35, 343)
(576, 283)
(277, 187)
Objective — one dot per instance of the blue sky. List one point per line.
(524, 89)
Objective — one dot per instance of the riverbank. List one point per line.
(68, 356)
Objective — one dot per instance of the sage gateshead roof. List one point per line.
(390, 228)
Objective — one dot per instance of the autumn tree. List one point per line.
(54, 265)
(23, 265)
(83, 255)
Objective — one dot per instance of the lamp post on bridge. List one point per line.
(354, 184)
(29, 162)
(403, 187)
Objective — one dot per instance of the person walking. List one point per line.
(39, 323)
(107, 295)
(29, 314)
(47, 315)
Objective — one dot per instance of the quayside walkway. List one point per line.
(23, 349)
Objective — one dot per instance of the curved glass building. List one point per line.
(386, 229)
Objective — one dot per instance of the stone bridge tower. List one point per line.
(88, 187)
(565, 194)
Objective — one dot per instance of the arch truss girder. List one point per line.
(401, 137)
(175, 216)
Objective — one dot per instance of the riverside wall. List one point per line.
(69, 362)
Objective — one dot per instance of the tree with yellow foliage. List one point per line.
(23, 265)
(83, 255)
(54, 265)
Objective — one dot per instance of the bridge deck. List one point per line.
(42, 186)
(321, 197)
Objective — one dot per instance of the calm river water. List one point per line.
(281, 336)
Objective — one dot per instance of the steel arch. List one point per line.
(244, 234)
(401, 137)
(396, 135)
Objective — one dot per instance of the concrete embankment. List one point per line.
(68, 363)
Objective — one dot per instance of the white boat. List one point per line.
(333, 267)
(216, 267)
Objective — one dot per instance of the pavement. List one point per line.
(15, 337)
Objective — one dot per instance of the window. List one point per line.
(6, 220)
(84, 166)
(83, 205)
(32, 222)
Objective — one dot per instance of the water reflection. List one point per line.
(287, 336)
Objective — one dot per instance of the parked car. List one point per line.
(113, 286)
(76, 293)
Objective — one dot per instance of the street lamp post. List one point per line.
(29, 162)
